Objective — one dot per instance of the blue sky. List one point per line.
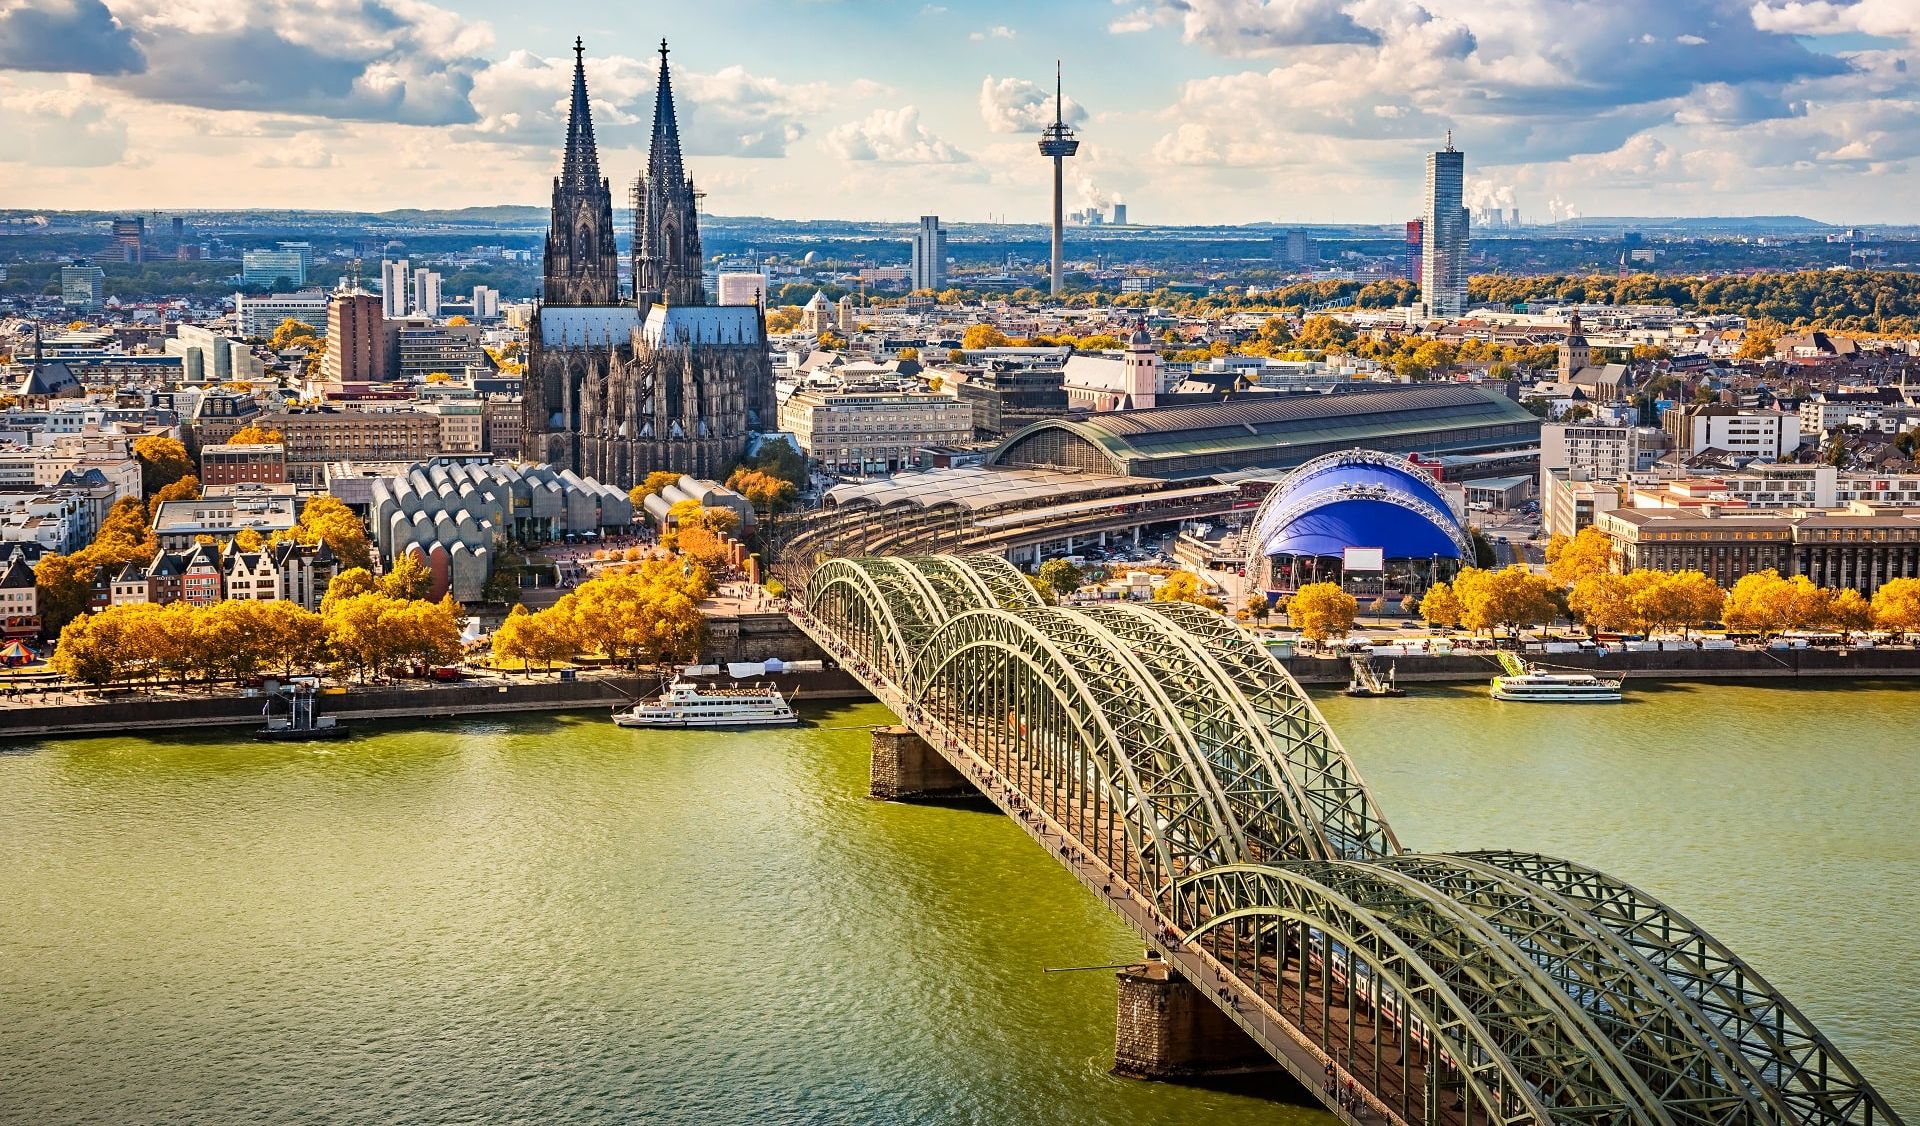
(1192, 111)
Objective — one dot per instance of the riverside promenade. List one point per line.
(1684, 664)
(66, 711)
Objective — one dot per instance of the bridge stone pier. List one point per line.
(904, 766)
(1170, 764)
(1165, 1029)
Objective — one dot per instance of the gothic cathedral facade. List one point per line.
(616, 389)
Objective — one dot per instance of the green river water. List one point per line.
(548, 919)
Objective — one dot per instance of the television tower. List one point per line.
(1059, 143)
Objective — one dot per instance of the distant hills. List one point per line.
(1698, 223)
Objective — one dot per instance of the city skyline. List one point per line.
(1197, 111)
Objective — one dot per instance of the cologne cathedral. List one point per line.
(617, 389)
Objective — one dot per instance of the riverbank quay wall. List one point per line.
(1682, 665)
(148, 716)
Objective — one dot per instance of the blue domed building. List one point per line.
(1357, 499)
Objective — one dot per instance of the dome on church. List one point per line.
(1140, 334)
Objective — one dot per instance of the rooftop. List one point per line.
(1290, 429)
(980, 488)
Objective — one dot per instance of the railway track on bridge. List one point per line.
(1173, 766)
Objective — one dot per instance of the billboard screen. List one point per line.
(1364, 559)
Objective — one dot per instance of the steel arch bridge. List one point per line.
(1163, 749)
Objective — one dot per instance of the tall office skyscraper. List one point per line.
(393, 288)
(1058, 142)
(1443, 253)
(130, 237)
(929, 255)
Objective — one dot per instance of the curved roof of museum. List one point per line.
(1360, 499)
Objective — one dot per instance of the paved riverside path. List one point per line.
(1244, 1003)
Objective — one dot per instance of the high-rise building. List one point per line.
(1415, 243)
(1443, 257)
(426, 293)
(130, 238)
(929, 255)
(1058, 143)
(261, 269)
(303, 249)
(83, 285)
(1297, 249)
(486, 303)
(741, 287)
(394, 277)
(357, 344)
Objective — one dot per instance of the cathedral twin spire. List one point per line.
(582, 265)
(666, 216)
(581, 167)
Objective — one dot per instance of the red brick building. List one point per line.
(264, 463)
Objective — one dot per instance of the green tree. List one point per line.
(1061, 577)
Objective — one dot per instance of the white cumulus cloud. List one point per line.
(892, 136)
(1015, 105)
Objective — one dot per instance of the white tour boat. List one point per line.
(685, 704)
(1529, 685)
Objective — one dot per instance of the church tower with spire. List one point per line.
(615, 390)
(582, 262)
(666, 214)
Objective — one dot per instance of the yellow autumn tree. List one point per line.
(329, 519)
(1184, 586)
(1572, 558)
(983, 336)
(1322, 610)
(253, 434)
(408, 578)
(1896, 606)
(1440, 607)
(1513, 597)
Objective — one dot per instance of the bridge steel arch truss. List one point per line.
(1461, 989)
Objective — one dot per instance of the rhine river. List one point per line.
(553, 920)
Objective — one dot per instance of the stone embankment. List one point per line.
(71, 714)
(1687, 664)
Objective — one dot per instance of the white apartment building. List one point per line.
(208, 356)
(393, 288)
(1604, 452)
(259, 316)
(1825, 410)
(486, 303)
(426, 293)
(1818, 486)
(1570, 500)
(1743, 433)
(872, 428)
